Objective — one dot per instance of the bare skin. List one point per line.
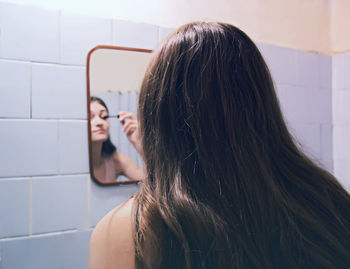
(111, 244)
(123, 166)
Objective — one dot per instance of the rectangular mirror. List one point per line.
(114, 77)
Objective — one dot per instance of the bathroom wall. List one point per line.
(302, 24)
(48, 203)
(341, 117)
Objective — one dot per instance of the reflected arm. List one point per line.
(128, 167)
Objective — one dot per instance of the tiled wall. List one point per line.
(48, 203)
(304, 86)
(341, 117)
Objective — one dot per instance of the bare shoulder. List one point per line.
(120, 158)
(111, 244)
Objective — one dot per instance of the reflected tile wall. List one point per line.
(341, 117)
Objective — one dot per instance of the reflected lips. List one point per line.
(99, 131)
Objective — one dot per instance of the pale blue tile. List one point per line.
(137, 35)
(341, 142)
(59, 203)
(308, 136)
(326, 71)
(282, 63)
(164, 32)
(347, 70)
(79, 34)
(342, 172)
(327, 165)
(308, 69)
(69, 250)
(58, 92)
(305, 105)
(123, 105)
(29, 33)
(133, 101)
(28, 147)
(341, 108)
(327, 141)
(73, 147)
(14, 207)
(341, 71)
(15, 80)
(111, 101)
(105, 198)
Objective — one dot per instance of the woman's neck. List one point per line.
(97, 159)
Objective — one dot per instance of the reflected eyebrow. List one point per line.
(103, 110)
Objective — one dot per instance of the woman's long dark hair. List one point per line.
(227, 187)
(108, 148)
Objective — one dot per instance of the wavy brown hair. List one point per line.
(227, 187)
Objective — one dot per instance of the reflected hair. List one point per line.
(108, 148)
(226, 185)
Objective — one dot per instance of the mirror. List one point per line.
(114, 76)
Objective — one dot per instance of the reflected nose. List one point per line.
(97, 121)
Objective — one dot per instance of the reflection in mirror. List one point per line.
(114, 76)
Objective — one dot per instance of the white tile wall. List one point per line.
(341, 71)
(305, 105)
(282, 63)
(15, 212)
(342, 172)
(135, 35)
(29, 33)
(341, 102)
(73, 147)
(308, 135)
(79, 34)
(325, 72)
(341, 117)
(103, 199)
(15, 89)
(58, 92)
(308, 69)
(327, 141)
(341, 144)
(164, 32)
(59, 203)
(111, 101)
(28, 147)
(67, 250)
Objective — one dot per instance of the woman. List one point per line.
(107, 163)
(226, 186)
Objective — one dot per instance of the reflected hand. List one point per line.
(130, 128)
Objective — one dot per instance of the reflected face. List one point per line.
(99, 122)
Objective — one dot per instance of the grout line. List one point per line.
(59, 142)
(59, 36)
(46, 175)
(31, 92)
(39, 235)
(31, 206)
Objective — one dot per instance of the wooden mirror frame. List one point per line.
(88, 109)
